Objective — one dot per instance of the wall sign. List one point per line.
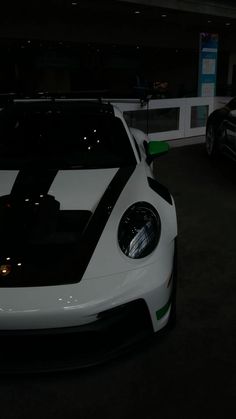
(207, 64)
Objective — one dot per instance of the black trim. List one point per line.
(100, 217)
(160, 190)
(137, 148)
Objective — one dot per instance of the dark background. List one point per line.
(189, 373)
(61, 46)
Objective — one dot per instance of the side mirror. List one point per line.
(155, 149)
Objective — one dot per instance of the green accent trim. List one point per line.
(157, 147)
(161, 313)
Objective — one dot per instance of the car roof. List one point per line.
(83, 106)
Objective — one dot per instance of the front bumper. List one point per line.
(76, 347)
(79, 304)
(67, 327)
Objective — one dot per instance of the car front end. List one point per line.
(88, 263)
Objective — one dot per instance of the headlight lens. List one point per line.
(139, 230)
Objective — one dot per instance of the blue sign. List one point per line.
(207, 64)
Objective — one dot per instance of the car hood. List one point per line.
(61, 228)
(73, 189)
(45, 216)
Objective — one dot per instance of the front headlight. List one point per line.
(139, 230)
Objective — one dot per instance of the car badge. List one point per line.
(5, 270)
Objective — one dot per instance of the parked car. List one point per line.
(221, 131)
(88, 235)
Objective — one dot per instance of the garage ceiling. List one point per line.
(223, 8)
(106, 21)
(104, 11)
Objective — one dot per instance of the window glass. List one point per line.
(156, 120)
(62, 137)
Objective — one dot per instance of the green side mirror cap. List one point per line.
(157, 148)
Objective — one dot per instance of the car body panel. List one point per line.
(111, 278)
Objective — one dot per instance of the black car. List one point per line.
(221, 131)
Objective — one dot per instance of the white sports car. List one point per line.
(88, 236)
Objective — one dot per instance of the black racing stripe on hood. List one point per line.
(100, 217)
(160, 190)
(30, 183)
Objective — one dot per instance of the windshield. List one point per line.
(57, 136)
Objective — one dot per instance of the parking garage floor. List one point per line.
(189, 372)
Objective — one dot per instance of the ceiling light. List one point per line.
(228, 24)
(137, 12)
(74, 3)
(209, 21)
(164, 15)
